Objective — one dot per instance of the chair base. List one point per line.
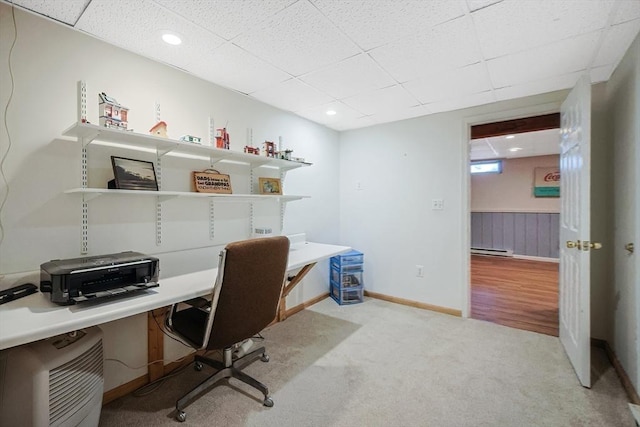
(228, 369)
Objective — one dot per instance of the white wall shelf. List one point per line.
(91, 193)
(87, 133)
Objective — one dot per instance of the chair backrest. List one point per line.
(249, 286)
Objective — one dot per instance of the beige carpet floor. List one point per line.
(383, 364)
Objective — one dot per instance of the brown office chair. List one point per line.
(245, 300)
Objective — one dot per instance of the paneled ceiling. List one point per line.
(529, 144)
(370, 61)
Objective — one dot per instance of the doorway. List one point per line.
(515, 223)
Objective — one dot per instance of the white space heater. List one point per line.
(54, 382)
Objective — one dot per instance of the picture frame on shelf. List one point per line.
(132, 174)
(270, 185)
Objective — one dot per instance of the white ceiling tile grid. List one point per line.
(375, 23)
(443, 47)
(347, 78)
(299, 39)
(292, 95)
(371, 61)
(226, 18)
(67, 11)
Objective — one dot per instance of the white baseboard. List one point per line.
(537, 258)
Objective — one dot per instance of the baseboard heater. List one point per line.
(494, 252)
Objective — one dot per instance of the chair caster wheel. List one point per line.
(182, 417)
(268, 402)
(264, 357)
(197, 366)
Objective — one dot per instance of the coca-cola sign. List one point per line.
(552, 177)
(547, 182)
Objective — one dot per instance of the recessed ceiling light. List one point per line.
(510, 136)
(515, 149)
(331, 113)
(172, 39)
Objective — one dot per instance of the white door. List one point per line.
(575, 168)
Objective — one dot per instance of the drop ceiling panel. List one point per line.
(138, 27)
(543, 62)
(400, 114)
(374, 23)
(236, 69)
(616, 41)
(349, 77)
(223, 17)
(514, 26)
(358, 51)
(480, 4)
(318, 113)
(530, 144)
(627, 10)
(292, 95)
(601, 74)
(67, 11)
(389, 98)
(549, 84)
(445, 47)
(299, 39)
(466, 101)
(452, 84)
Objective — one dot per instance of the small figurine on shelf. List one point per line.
(269, 148)
(284, 155)
(159, 129)
(112, 114)
(191, 138)
(251, 150)
(222, 138)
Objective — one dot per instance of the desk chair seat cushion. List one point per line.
(191, 324)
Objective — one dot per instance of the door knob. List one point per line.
(629, 247)
(595, 245)
(575, 244)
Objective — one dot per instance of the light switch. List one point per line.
(437, 204)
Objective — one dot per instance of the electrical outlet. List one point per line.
(437, 204)
(358, 185)
(419, 270)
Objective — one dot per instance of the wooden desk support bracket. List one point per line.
(291, 282)
(155, 340)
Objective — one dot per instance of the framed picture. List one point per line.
(131, 174)
(270, 186)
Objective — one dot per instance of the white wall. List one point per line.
(512, 190)
(401, 167)
(41, 223)
(624, 102)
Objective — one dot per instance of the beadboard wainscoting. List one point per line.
(524, 233)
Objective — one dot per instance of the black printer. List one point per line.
(81, 279)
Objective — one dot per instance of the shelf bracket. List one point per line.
(166, 197)
(161, 153)
(90, 196)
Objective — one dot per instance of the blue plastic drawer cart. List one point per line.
(346, 273)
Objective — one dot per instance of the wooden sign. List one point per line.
(212, 181)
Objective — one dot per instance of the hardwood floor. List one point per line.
(517, 293)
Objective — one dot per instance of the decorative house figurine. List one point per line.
(269, 148)
(252, 150)
(160, 129)
(112, 114)
(222, 138)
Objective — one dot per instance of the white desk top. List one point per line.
(35, 317)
